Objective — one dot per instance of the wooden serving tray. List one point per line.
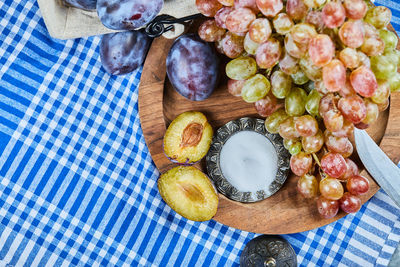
(286, 211)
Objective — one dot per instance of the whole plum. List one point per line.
(193, 67)
(127, 14)
(82, 4)
(123, 52)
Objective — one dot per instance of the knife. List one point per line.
(384, 171)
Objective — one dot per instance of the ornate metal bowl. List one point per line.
(213, 160)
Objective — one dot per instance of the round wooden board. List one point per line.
(286, 211)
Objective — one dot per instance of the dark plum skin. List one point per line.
(82, 4)
(123, 52)
(193, 67)
(127, 14)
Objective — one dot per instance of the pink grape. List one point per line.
(270, 8)
(302, 33)
(327, 103)
(268, 53)
(321, 49)
(222, 14)
(296, 9)
(235, 87)
(331, 188)
(350, 58)
(208, 7)
(352, 33)
(239, 20)
(232, 45)
(247, 3)
(327, 208)
(347, 90)
(357, 185)
(333, 120)
(210, 32)
(294, 49)
(313, 144)
(373, 46)
(341, 145)
(307, 186)
(315, 18)
(287, 129)
(364, 81)
(353, 108)
(370, 31)
(333, 14)
(260, 30)
(333, 164)
(350, 203)
(306, 125)
(355, 9)
(372, 112)
(266, 106)
(334, 75)
(289, 64)
(346, 131)
(301, 163)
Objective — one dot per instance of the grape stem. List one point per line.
(316, 159)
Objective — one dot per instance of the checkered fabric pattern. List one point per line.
(77, 183)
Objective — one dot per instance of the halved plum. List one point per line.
(188, 138)
(189, 192)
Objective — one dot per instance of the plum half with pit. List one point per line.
(123, 52)
(82, 4)
(127, 14)
(189, 192)
(188, 138)
(193, 67)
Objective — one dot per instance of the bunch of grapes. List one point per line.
(315, 69)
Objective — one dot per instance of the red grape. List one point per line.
(363, 81)
(260, 30)
(333, 120)
(334, 75)
(315, 18)
(270, 8)
(352, 33)
(353, 108)
(301, 163)
(347, 90)
(327, 208)
(321, 50)
(289, 64)
(307, 186)
(333, 14)
(222, 14)
(210, 32)
(341, 145)
(357, 185)
(296, 9)
(350, 203)
(306, 125)
(235, 87)
(239, 20)
(327, 103)
(208, 7)
(355, 9)
(268, 53)
(346, 131)
(333, 164)
(351, 171)
(267, 105)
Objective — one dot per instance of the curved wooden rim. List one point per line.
(153, 121)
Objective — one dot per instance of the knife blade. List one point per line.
(378, 164)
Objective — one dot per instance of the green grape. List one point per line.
(312, 71)
(312, 103)
(394, 82)
(255, 88)
(292, 145)
(272, 122)
(394, 55)
(379, 16)
(241, 68)
(383, 66)
(295, 102)
(389, 38)
(249, 45)
(309, 86)
(382, 93)
(281, 84)
(299, 78)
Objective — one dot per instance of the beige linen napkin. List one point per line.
(69, 23)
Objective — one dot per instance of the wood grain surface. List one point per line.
(286, 211)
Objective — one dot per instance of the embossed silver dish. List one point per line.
(213, 160)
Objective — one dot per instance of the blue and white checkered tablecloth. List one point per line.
(77, 182)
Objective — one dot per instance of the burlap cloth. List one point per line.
(69, 23)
